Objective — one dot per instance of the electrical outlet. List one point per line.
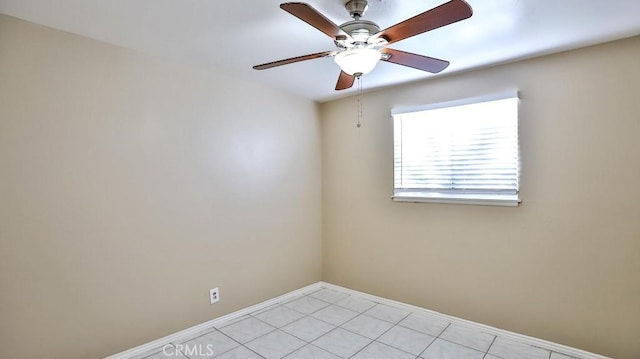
(214, 295)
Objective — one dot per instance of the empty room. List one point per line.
(376, 179)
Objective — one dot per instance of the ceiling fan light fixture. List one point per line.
(361, 43)
(358, 60)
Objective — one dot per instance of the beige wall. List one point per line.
(565, 265)
(129, 187)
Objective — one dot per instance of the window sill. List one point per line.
(484, 200)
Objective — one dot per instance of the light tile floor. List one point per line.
(328, 324)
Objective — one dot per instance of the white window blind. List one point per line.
(466, 154)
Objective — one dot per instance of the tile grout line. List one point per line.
(225, 334)
(315, 311)
(251, 350)
(327, 333)
(490, 345)
(434, 340)
(378, 337)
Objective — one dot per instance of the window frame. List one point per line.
(453, 196)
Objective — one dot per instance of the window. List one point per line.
(464, 152)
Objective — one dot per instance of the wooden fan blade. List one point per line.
(345, 81)
(293, 59)
(314, 18)
(420, 62)
(445, 14)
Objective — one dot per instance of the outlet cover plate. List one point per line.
(214, 295)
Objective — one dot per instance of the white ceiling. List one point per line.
(232, 36)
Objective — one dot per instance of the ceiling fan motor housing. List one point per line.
(360, 30)
(357, 8)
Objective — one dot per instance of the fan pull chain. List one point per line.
(359, 102)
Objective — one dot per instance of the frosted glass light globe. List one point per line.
(358, 60)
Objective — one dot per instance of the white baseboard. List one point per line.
(193, 331)
(540, 343)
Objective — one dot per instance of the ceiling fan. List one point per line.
(361, 43)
